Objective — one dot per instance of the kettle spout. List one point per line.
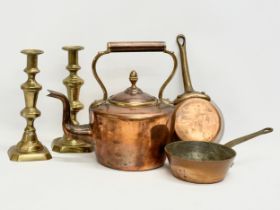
(81, 132)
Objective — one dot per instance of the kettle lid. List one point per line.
(133, 96)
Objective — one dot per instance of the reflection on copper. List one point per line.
(197, 120)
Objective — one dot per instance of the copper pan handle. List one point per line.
(248, 137)
(181, 41)
(113, 47)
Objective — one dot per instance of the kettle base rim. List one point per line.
(132, 168)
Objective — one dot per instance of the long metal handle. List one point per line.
(248, 137)
(113, 47)
(181, 41)
(136, 46)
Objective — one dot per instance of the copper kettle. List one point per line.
(131, 128)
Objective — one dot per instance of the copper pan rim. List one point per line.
(172, 155)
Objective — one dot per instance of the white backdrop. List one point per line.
(233, 52)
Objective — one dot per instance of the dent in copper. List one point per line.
(197, 120)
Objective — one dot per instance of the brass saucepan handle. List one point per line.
(248, 137)
(113, 47)
(181, 41)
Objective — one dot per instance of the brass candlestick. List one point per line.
(30, 148)
(73, 83)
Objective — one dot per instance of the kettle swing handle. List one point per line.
(113, 47)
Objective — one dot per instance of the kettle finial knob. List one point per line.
(133, 78)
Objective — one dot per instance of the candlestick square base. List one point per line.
(66, 145)
(16, 155)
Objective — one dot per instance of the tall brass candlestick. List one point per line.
(73, 83)
(30, 148)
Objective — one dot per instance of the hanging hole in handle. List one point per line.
(267, 130)
(181, 40)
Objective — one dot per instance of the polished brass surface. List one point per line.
(181, 41)
(30, 148)
(242, 139)
(134, 47)
(128, 136)
(189, 91)
(73, 83)
(71, 144)
(197, 118)
(204, 162)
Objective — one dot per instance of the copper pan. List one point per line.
(204, 162)
(197, 118)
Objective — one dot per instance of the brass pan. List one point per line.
(197, 118)
(204, 162)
